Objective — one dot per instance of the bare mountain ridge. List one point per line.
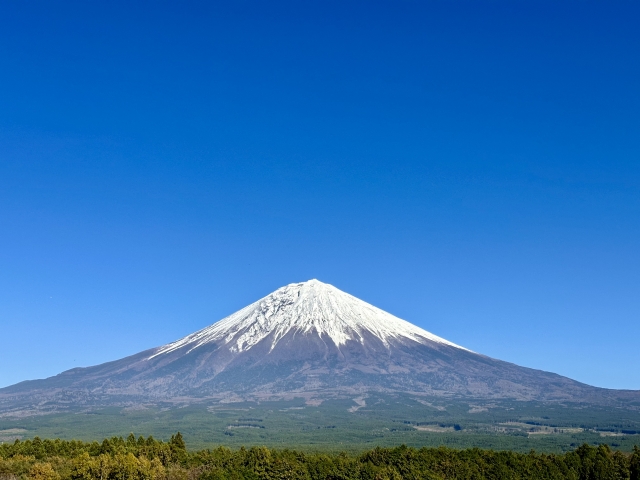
(306, 340)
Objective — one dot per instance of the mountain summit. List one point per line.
(311, 311)
(306, 340)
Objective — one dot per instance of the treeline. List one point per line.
(148, 459)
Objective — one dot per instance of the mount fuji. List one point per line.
(305, 340)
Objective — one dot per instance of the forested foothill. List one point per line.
(149, 459)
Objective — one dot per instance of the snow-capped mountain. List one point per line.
(306, 340)
(310, 308)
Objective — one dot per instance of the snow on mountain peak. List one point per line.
(310, 307)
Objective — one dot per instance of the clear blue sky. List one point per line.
(472, 167)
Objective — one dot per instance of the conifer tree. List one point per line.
(634, 465)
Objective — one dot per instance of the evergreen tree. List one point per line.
(634, 464)
(177, 441)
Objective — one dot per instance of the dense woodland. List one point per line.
(149, 459)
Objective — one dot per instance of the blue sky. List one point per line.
(472, 167)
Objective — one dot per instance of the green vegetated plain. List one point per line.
(148, 459)
(349, 425)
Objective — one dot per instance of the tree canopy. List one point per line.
(149, 459)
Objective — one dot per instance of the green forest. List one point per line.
(142, 458)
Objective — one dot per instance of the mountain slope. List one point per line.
(307, 340)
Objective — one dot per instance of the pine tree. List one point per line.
(177, 441)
